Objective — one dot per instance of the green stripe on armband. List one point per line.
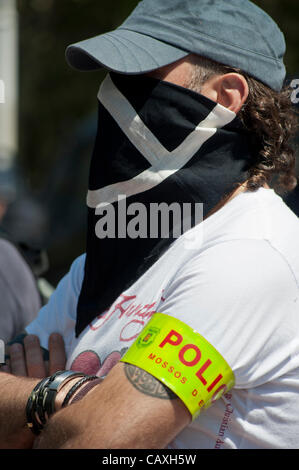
(183, 360)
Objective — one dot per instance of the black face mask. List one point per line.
(156, 143)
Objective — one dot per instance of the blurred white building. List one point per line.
(8, 95)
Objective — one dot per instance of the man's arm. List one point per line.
(130, 409)
(14, 433)
(27, 366)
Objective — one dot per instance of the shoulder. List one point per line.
(240, 295)
(260, 215)
(66, 294)
(76, 272)
(59, 314)
(236, 265)
(254, 226)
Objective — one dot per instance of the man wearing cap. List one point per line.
(186, 341)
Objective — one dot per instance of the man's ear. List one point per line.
(230, 90)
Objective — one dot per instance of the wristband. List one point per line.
(41, 402)
(32, 422)
(75, 387)
(86, 389)
(48, 401)
(183, 360)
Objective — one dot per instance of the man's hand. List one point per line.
(17, 379)
(27, 359)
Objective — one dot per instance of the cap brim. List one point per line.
(122, 51)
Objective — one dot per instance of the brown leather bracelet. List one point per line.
(85, 389)
(75, 387)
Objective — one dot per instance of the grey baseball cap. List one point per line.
(159, 32)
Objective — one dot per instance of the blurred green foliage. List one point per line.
(53, 97)
(54, 101)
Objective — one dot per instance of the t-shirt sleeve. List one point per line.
(59, 315)
(240, 296)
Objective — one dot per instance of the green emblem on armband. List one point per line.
(183, 360)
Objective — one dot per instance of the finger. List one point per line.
(17, 359)
(57, 358)
(34, 357)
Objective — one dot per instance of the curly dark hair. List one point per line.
(271, 121)
(271, 118)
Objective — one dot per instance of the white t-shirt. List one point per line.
(233, 278)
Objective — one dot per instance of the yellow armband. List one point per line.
(183, 360)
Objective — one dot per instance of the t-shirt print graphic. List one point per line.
(90, 363)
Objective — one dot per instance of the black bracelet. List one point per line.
(75, 387)
(34, 411)
(41, 402)
(41, 412)
(32, 422)
(53, 388)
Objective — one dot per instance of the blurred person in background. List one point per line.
(19, 294)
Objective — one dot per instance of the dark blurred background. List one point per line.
(56, 108)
